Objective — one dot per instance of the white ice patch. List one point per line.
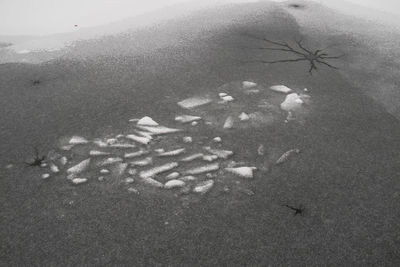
(147, 121)
(292, 102)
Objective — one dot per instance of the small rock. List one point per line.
(43, 165)
(210, 158)
(248, 85)
(187, 139)
(227, 98)
(194, 123)
(67, 147)
(223, 154)
(159, 150)
(152, 182)
(187, 118)
(305, 90)
(285, 156)
(175, 152)
(80, 167)
(110, 161)
(188, 178)
(194, 102)
(45, 175)
(111, 141)
(203, 169)
(141, 163)
(95, 153)
(222, 94)
(292, 102)
(54, 168)
(192, 157)
(210, 175)
(100, 178)
(140, 139)
(63, 161)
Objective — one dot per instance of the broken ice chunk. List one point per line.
(228, 123)
(152, 182)
(158, 130)
(98, 153)
(217, 139)
(104, 171)
(109, 161)
(210, 158)
(192, 157)
(136, 154)
(203, 187)
(223, 154)
(227, 98)
(79, 180)
(281, 89)
(203, 169)
(175, 152)
(147, 121)
(248, 85)
(245, 172)
(139, 139)
(187, 139)
(80, 167)
(133, 190)
(286, 155)
(172, 175)
(158, 169)
(187, 118)
(292, 102)
(122, 145)
(194, 102)
(78, 140)
(143, 162)
(244, 117)
(54, 168)
(174, 184)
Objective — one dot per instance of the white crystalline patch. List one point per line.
(244, 117)
(245, 172)
(172, 175)
(172, 153)
(78, 140)
(192, 157)
(155, 130)
(79, 180)
(174, 184)
(143, 162)
(203, 187)
(139, 139)
(95, 153)
(136, 154)
(203, 169)
(147, 121)
(281, 89)
(228, 123)
(227, 98)
(187, 118)
(248, 85)
(158, 169)
(80, 167)
(292, 102)
(223, 154)
(194, 102)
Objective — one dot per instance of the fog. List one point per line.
(41, 17)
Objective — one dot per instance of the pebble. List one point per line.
(45, 175)
(194, 123)
(129, 180)
(217, 139)
(187, 139)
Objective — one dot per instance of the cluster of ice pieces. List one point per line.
(134, 158)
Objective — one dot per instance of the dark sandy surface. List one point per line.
(346, 176)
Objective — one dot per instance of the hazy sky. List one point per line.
(51, 16)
